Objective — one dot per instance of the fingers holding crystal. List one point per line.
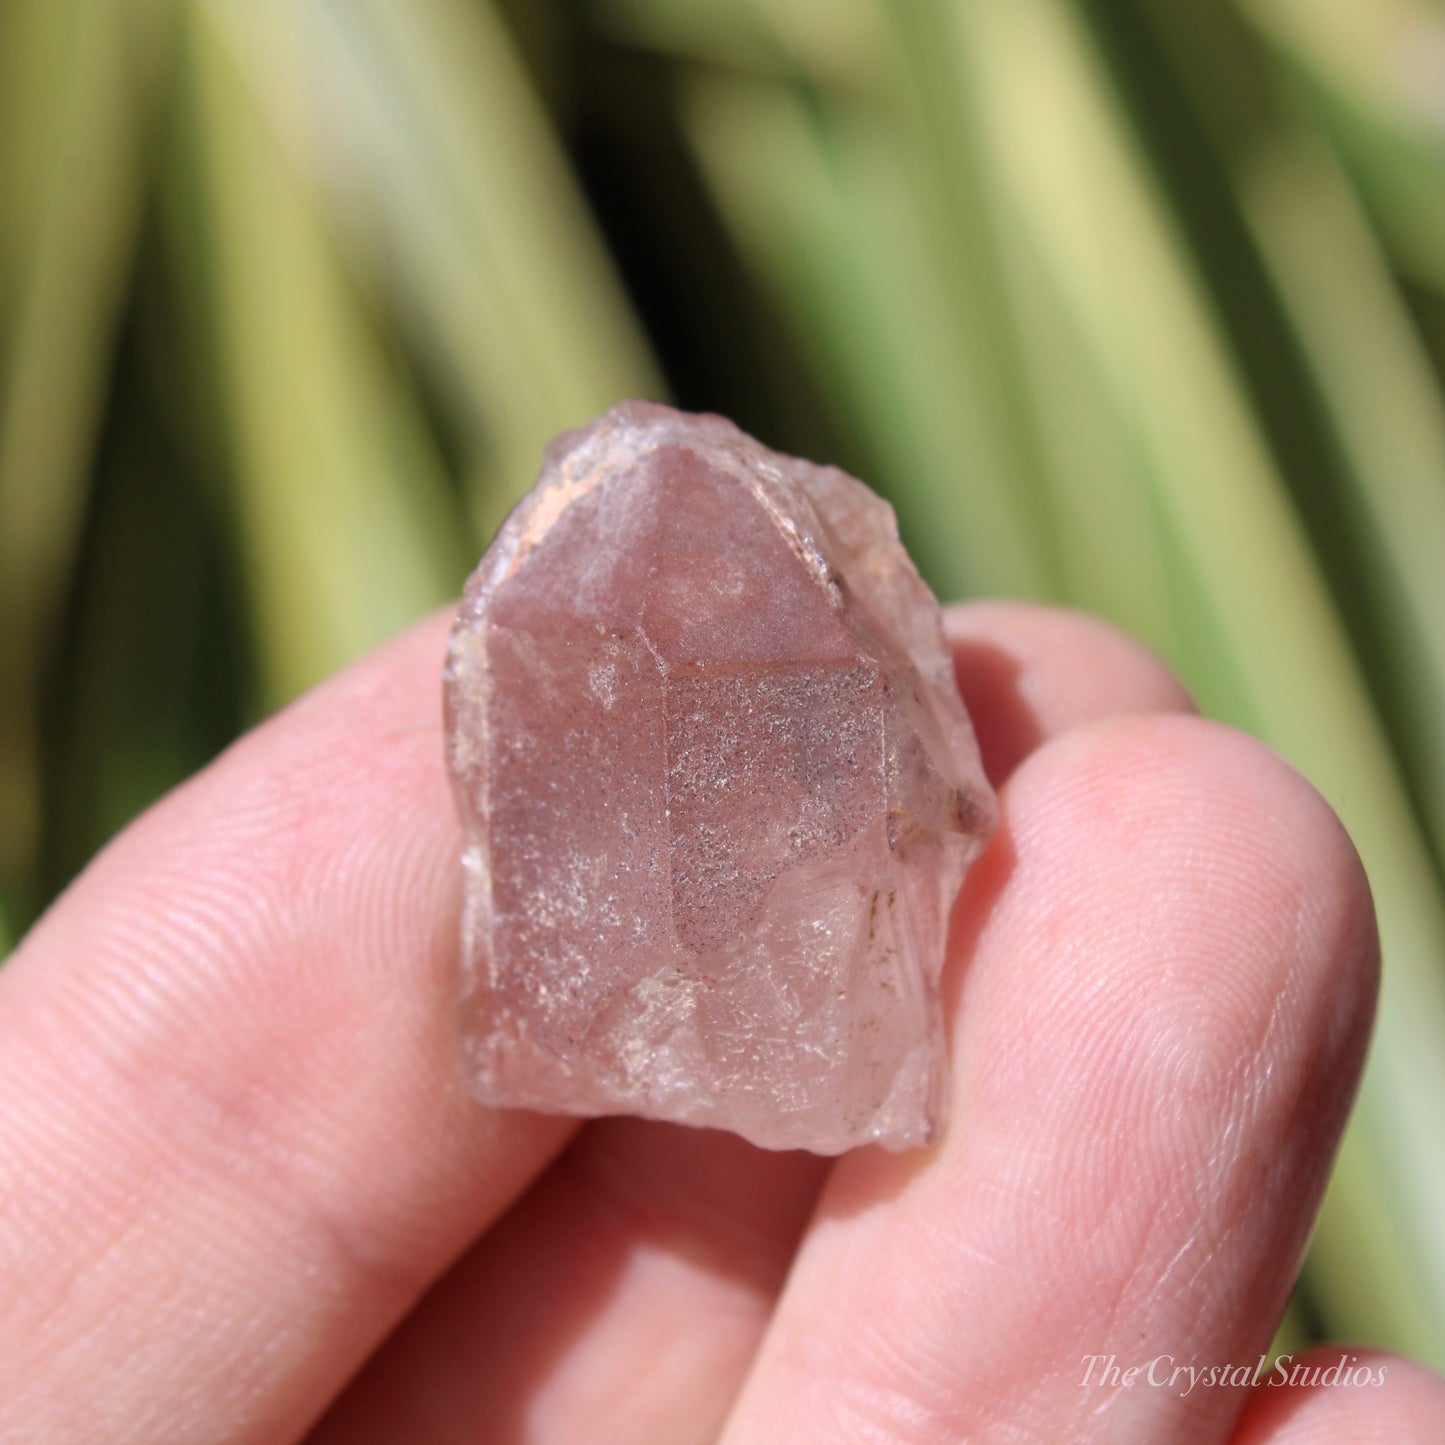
(1167, 969)
(651, 1243)
(229, 1067)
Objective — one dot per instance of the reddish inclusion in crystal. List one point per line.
(704, 614)
(709, 853)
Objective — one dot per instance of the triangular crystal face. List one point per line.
(719, 792)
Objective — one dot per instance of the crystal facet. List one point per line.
(719, 792)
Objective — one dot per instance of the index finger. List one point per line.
(235, 1143)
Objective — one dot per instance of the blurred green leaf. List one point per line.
(1389, 416)
(446, 170)
(833, 43)
(900, 384)
(78, 81)
(345, 515)
(1374, 72)
(850, 236)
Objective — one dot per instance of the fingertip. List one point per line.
(1211, 845)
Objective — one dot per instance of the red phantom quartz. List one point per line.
(719, 793)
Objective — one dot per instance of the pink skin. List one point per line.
(236, 1159)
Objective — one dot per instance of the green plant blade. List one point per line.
(1371, 71)
(453, 185)
(78, 85)
(346, 521)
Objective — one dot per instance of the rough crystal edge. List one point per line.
(575, 462)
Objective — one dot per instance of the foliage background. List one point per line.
(1134, 304)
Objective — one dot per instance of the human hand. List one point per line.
(244, 1193)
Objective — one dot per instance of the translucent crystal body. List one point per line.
(719, 793)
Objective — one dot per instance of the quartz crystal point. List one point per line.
(719, 793)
